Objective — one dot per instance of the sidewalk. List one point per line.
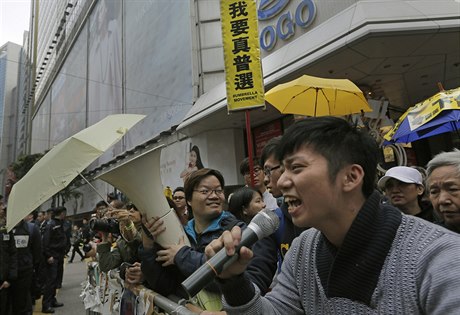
(69, 294)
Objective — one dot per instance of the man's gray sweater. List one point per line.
(418, 272)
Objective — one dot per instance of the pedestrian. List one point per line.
(54, 245)
(404, 188)
(443, 177)
(360, 256)
(77, 240)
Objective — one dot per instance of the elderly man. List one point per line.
(404, 188)
(443, 177)
(360, 256)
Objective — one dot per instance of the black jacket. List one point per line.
(8, 256)
(28, 245)
(54, 239)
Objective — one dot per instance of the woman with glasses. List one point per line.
(165, 268)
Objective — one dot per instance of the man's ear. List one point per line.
(353, 176)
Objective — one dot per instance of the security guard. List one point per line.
(54, 246)
(8, 262)
(28, 247)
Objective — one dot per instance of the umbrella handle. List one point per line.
(94, 188)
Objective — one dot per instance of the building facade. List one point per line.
(164, 59)
(10, 67)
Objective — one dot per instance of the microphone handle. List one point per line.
(215, 265)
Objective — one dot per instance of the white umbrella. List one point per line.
(56, 169)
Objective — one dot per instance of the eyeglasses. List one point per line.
(257, 171)
(178, 197)
(268, 170)
(208, 192)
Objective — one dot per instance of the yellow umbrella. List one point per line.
(313, 96)
(56, 169)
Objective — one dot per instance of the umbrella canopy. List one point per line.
(312, 96)
(56, 169)
(435, 115)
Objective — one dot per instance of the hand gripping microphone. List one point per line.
(263, 224)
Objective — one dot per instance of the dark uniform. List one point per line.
(54, 246)
(41, 270)
(28, 246)
(68, 233)
(8, 266)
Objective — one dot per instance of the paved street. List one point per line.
(69, 294)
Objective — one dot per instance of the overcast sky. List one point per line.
(14, 20)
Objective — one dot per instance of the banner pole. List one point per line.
(250, 150)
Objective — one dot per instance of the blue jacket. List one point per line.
(167, 280)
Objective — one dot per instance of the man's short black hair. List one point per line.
(269, 149)
(244, 165)
(338, 142)
(59, 210)
(179, 189)
(101, 203)
(196, 177)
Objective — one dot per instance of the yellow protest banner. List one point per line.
(425, 111)
(243, 69)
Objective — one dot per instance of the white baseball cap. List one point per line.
(402, 173)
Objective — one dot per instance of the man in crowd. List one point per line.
(404, 188)
(443, 174)
(269, 200)
(269, 252)
(54, 246)
(360, 256)
(41, 217)
(178, 198)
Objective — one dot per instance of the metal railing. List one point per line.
(103, 293)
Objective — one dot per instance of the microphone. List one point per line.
(263, 224)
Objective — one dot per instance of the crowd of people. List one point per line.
(32, 260)
(347, 242)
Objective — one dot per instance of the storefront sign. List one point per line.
(243, 69)
(284, 26)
